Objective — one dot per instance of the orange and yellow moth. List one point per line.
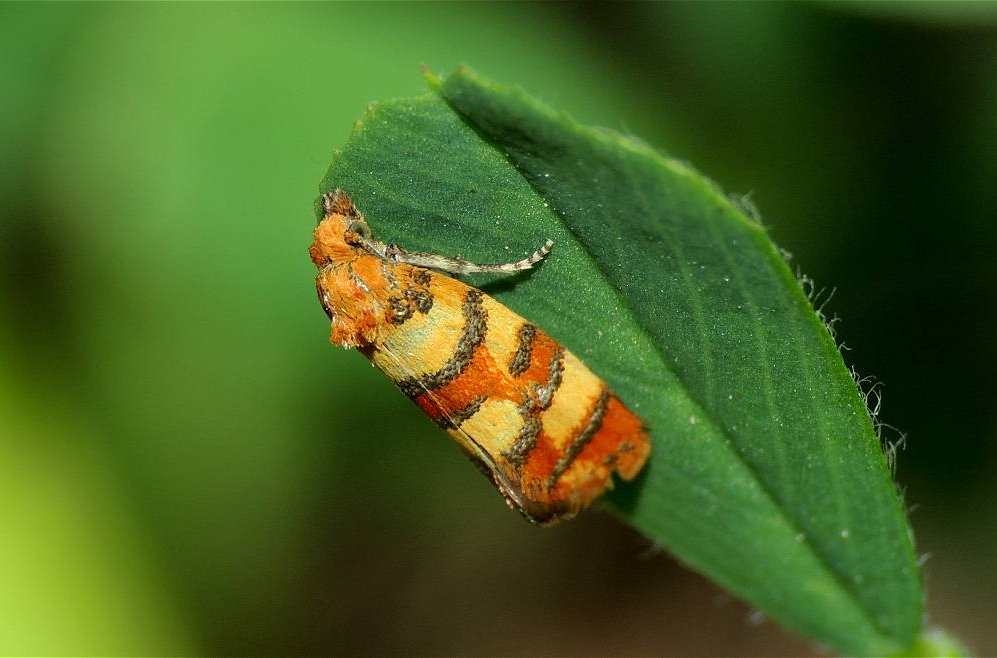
(546, 430)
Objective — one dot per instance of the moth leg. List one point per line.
(396, 254)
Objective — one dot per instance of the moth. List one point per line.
(546, 430)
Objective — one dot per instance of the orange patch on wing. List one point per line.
(545, 349)
(622, 438)
(479, 378)
(611, 448)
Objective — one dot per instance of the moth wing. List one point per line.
(572, 434)
(529, 413)
(438, 356)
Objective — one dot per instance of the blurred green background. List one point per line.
(188, 467)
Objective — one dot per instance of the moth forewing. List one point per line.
(546, 430)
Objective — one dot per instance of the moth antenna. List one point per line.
(396, 254)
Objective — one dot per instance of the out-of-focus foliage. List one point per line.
(188, 466)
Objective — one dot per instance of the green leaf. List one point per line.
(767, 474)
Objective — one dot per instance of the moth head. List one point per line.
(340, 232)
